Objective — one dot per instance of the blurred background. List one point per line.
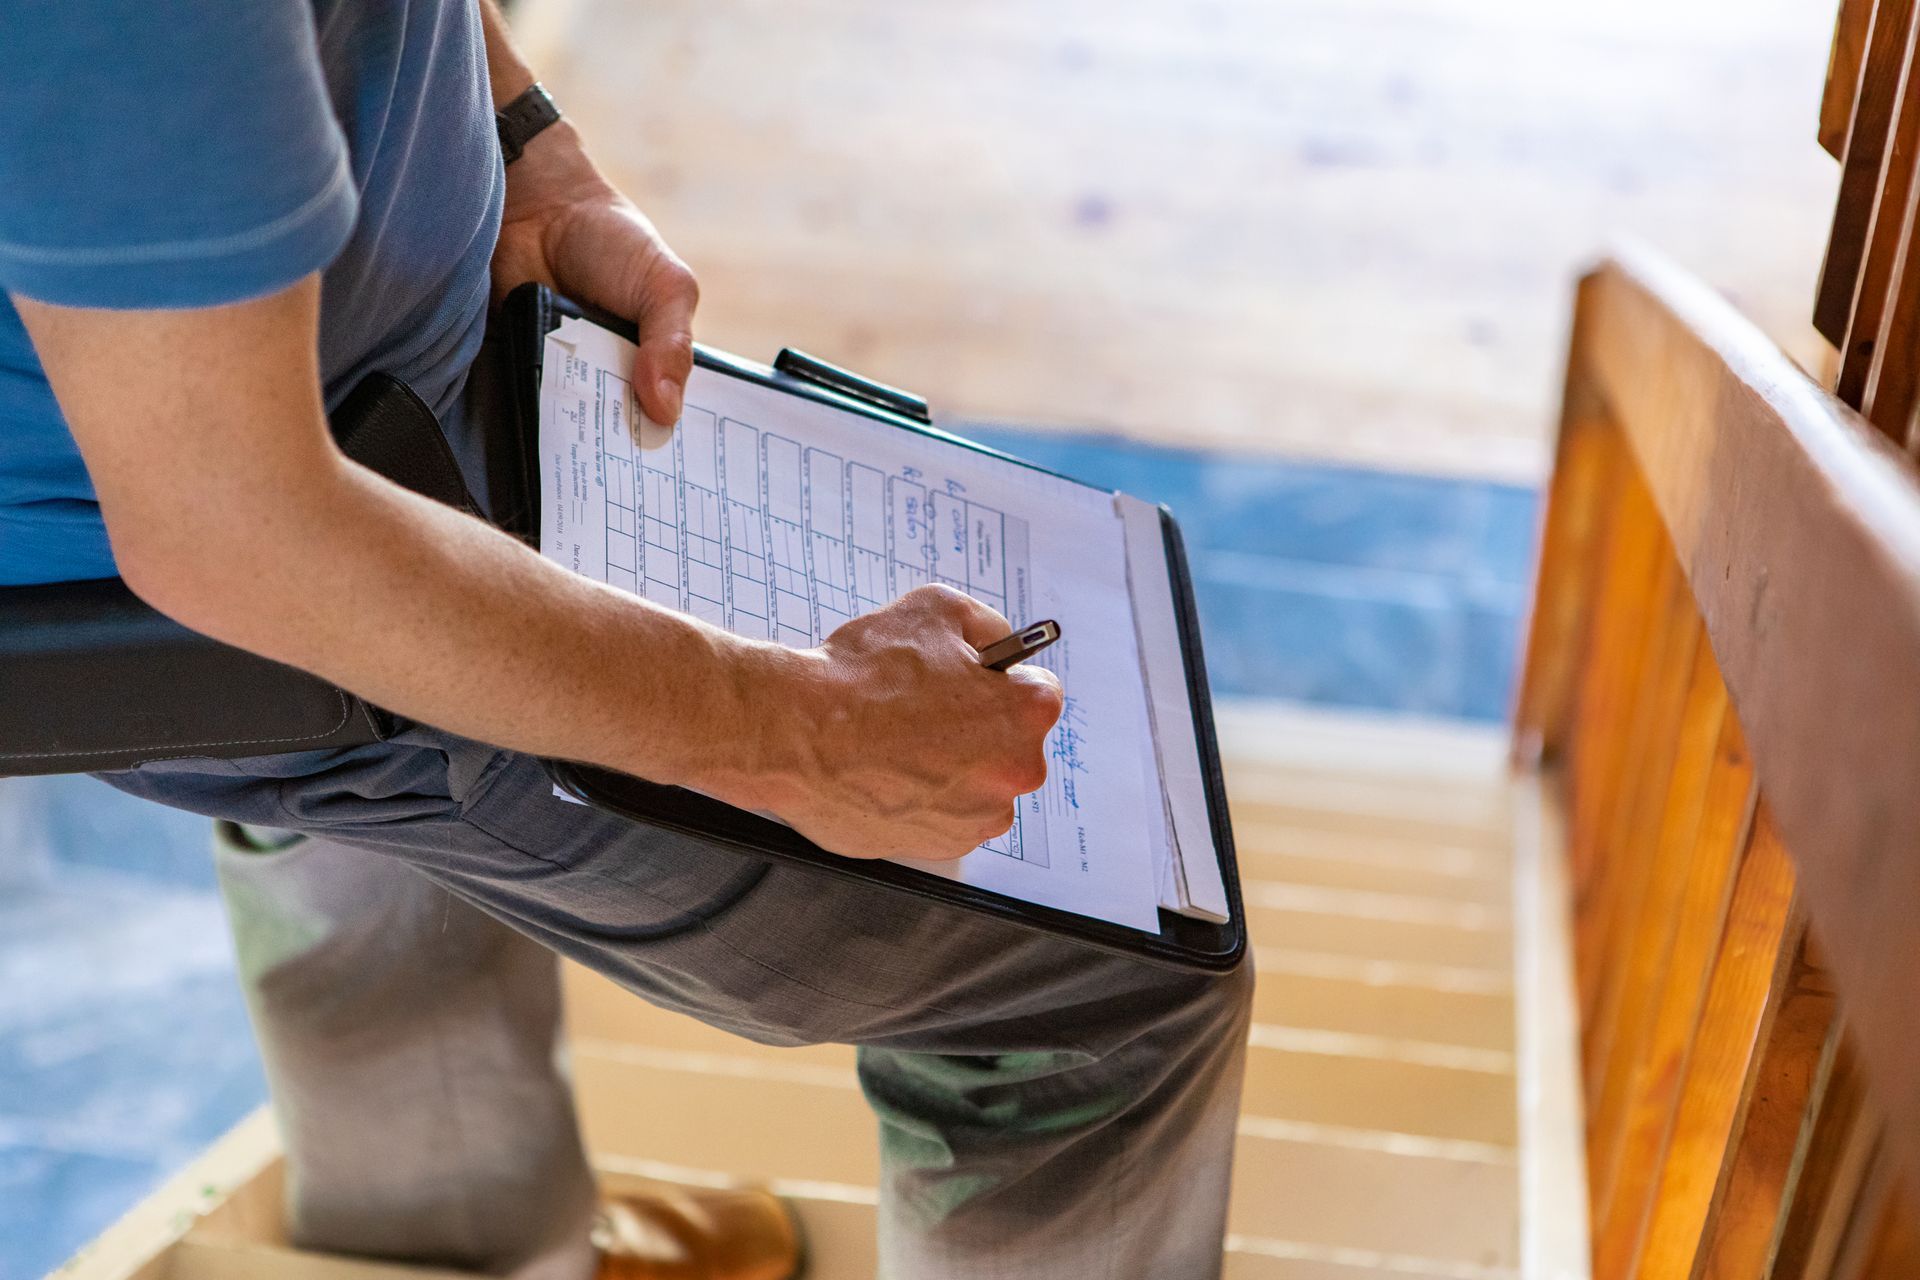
(1300, 268)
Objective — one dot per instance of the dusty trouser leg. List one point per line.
(410, 1044)
(1047, 1109)
(1038, 1164)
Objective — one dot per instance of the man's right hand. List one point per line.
(891, 740)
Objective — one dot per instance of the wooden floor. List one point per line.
(1338, 228)
(1380, 1135)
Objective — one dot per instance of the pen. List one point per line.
(1019, 646)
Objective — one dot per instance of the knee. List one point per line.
(1196, 1011)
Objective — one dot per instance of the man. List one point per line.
(214, 220)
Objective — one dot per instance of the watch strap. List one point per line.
(522, 119)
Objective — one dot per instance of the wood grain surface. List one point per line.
(1345, 229)
(1798, 526)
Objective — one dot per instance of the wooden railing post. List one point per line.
(1755, 959)
(1758, 1175)
(1860, 166)
(1699, 855)
(1839, 1149)
(1886, 231)
(1843, 74)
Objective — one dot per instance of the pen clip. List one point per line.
(1021, 645)
(798, 364)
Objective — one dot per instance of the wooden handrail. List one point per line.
(1797, 527)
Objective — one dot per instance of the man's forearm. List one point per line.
(507, 72)
(443, 619)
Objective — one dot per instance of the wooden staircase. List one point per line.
(1380, 1137)
(1718, 692)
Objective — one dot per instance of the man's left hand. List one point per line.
(567, 227)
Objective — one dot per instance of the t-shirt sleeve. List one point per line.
(166, 153)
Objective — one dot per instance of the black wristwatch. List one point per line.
(522, 119)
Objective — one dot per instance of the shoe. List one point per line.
(692, 1233)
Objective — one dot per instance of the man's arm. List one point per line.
(230, 509)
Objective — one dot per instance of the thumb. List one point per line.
(664, 312)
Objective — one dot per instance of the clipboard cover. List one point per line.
(529, 313)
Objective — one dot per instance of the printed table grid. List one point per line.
(771, 539)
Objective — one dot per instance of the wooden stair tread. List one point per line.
(1385, 1009)
(1403, 942)
(1351, 840)
(840, 1230)
(1264, 862)
(1329, 1190)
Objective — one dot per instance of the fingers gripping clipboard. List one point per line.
(791, 498)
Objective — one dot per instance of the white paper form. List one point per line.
(780, 518)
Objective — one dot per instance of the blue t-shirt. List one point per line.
(158, 154)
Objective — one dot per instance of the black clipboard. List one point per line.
(531, 312)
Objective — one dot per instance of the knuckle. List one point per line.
(900, 607)
(1049, 698)
(1041, 697)
(678, 354)
(668, 273)
(942, 600)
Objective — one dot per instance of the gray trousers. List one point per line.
(1044, 1109)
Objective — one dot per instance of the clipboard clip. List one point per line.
(798, 364)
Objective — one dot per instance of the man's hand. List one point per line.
(896, 742)
(567, 227)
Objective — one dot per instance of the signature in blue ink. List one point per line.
(1068, 738)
